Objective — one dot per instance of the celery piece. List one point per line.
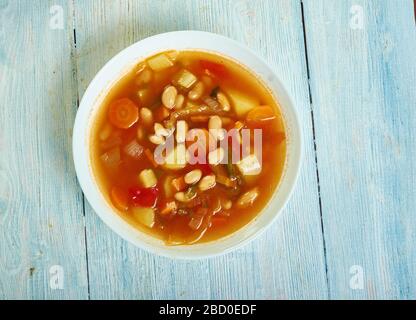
(159, 62)
(184, 79)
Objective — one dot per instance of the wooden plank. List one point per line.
(286, 262)
(41, 210)
(362, 83)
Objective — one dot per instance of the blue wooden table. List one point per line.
(348, 232)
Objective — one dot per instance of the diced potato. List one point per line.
(249, 166)
(167, 187)
(176, 159)
(185, 79)
(241, 102)
(145, 216)
(147, 178)
(159, 62)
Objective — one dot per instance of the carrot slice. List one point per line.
(120, 198)
(260, 114)
(123, 113)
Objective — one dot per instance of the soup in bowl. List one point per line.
(187, 147)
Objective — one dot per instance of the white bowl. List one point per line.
(122, 63)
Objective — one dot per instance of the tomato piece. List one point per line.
(217, 69)
(260, 114)
(123, 113)
(120, 198)
(144, 197)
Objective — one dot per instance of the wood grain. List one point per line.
(288, 261)
(362, 85)
(41, 209)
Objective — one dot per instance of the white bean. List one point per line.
(223, 101)
(184, 197)
(147, 116)
(197, 91)
(248, 198)
(215, 122)
(227, 204)
(180, 196)
(180, 99)
(161, 130)
(215, 127)
(169, 97)
(156, 139)
(193, 176)
(207, 183)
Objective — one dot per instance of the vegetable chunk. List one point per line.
(147, 178)
(241, 102)
(165, 145)
(145, 216)
(249, 166)
(185, 79)
(160, 62)
(123, 113)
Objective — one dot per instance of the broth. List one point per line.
(185, 204)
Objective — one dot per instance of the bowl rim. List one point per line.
(80, 146)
